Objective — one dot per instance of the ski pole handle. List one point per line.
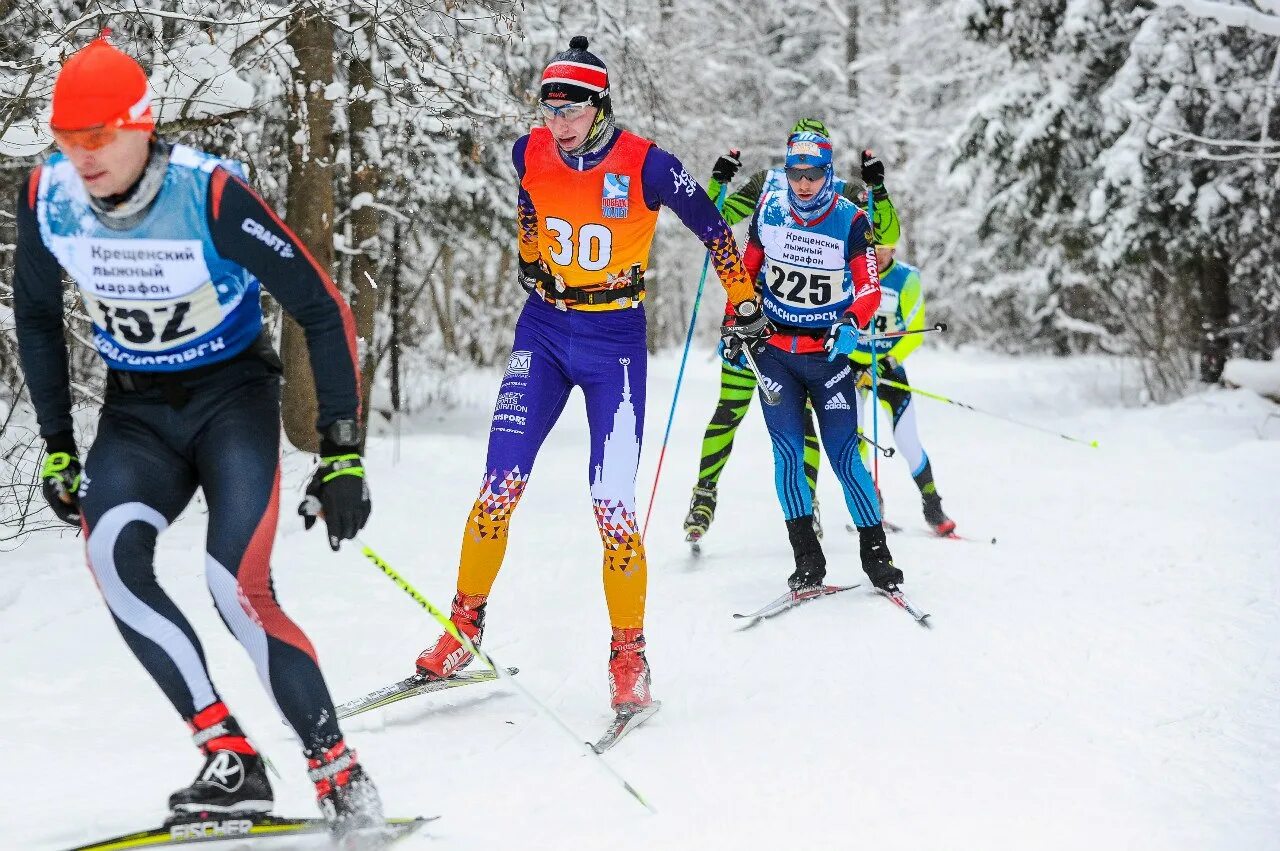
(771, 397)
(887, 451)
(893, 335)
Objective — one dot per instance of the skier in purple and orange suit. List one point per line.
(588, 206)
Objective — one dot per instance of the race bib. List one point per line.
(155, 325)
(886, 318)
(147, 294)
(799, 286)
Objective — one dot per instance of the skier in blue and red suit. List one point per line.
(813, 256)
(587, 210)
(169, 248)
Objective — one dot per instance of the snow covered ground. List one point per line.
(1104, 677)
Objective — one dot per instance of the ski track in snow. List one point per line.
(1105, 677)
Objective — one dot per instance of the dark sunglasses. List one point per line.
(811, 172)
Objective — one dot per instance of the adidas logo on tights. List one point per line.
(836, 403)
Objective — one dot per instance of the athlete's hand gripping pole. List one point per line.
(684, 357)
(443, 619)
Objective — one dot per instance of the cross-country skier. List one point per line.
(168, 247)
(811, 252)
(902, 309)
(737, 381)
(587, 208)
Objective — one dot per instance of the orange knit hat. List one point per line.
(99, 86)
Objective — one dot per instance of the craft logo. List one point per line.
(518, 364)
(614, 201)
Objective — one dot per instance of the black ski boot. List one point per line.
(702, 510)
(233, 778)
(811, 564)
(877, 561)
(347, 797)
(938, 521)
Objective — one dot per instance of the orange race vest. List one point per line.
(593, 226)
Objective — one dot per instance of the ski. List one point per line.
(900, 600)
(792, 599)
(894, 528)
(624, 722)
(412, 687)
(208, 828)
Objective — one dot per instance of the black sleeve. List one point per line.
(37, 312)
(247, 231)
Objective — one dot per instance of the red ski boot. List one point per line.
(449, 656)
(628, 671)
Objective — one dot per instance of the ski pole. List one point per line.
(893, 335)
(448, 625)
(770, 396)
(875, 366)
(684, 357)
(941, 398)
(888, 451)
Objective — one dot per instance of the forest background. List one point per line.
(1073, 176)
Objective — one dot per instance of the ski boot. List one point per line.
(940, 523)
(877, 561)
(702, 510)
(817, 519)
(628, 671)
(233, 778)
(811, 564)
(448, 656)
(347, 797)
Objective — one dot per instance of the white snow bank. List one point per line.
(1262, 377)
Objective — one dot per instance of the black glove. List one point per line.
(872, 170)
(747, 327)
(726, 167)
(60, 477)
(338, 489)
(885, 366)
(532, 274)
